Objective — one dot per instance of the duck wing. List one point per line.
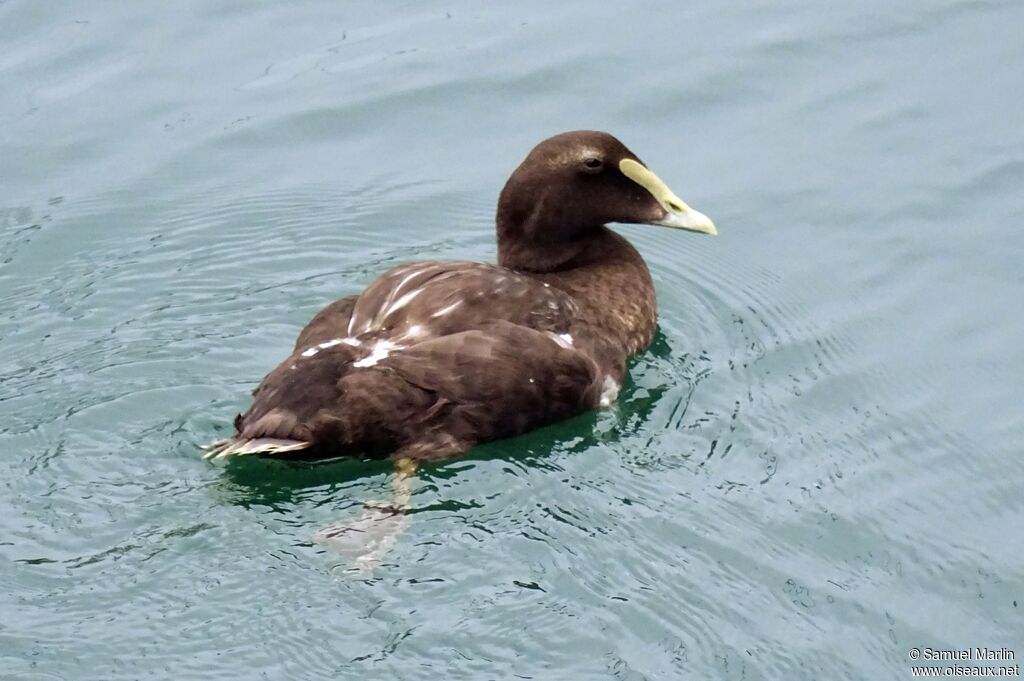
(435, 357)
(431, 299)
(434, 399)
(495, 382)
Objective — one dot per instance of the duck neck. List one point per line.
(601, 270)
(532, 239)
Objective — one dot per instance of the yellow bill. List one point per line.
(679, 215)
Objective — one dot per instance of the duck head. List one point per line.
(571, 185)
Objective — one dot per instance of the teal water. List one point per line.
(816, 467)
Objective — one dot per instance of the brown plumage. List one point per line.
(435, 357)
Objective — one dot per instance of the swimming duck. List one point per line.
(436, 357)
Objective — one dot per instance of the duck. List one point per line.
(435, 357)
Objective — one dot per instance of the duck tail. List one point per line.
(242, 446)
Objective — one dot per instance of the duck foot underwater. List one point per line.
(366, 541)
(433, 358)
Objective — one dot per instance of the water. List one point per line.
(815, 468)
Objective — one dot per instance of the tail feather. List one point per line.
(258, 445)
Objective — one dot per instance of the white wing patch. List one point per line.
(446, 309)
(401, 302)
(309, 352)
(563, 339)
(380, 351)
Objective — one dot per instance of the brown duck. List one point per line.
(436, 357)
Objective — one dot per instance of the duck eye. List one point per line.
(593, 165)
